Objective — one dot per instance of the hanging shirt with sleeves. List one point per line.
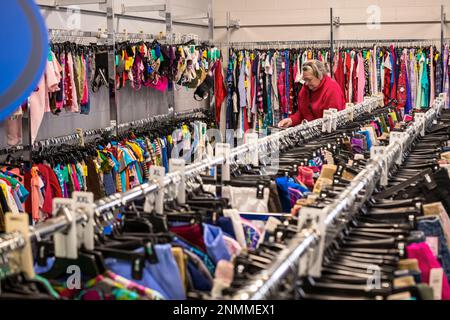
(328, 95)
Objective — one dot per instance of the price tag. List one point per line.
(433, 243)
(436, 278)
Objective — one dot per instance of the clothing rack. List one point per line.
(269, 44)
(293, 257)
(62, 220)
(89, 133)
(113, 201)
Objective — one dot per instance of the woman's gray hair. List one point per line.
(316, 67)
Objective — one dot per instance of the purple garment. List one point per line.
(294, 195)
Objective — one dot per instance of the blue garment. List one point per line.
(204, 257)
(408, 105)
(200, 282)
(283, 185)
(86, 108)
(431, 227)
(165, 160)
(287, 84)
(108, 183)
(163, 276)
(43, 269)
(17, 201)
(215, 243)
(226, 224)
(403, 273)
(368, 139)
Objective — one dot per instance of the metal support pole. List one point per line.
(228, 29)
(169, 36)
(113, 99)
(210, 23)
(27, 142)
(442, 41)
(331, 41)
(211, 97)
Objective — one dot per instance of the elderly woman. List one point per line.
(319, 93)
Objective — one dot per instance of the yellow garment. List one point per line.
(181, 262)
(137, 150)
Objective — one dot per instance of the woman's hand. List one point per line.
(285, 123)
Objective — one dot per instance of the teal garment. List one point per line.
(62, 181)
(425, 86)
(23, 193)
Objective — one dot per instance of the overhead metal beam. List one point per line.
(127, 16)
(146, 8)
(78, 2)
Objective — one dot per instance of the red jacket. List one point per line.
(329, 95)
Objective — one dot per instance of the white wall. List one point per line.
(133, 105)
(287, 12)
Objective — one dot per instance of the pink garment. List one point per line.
(39, 104)
(76, 184)
(74, 107)
(427, 261)
(14, 131)
(85, 97)
(361, 79)
(160, 83)
(233, 247)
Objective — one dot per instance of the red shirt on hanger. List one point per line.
(311, 104)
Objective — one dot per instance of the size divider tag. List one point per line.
(24, 257)
(398, 137)
(66, 245)
(157, 174)
(436, 278)
(327, 124)
(85, 202)
(310, 263)
(376, 151)
(253, 156)
(80, 132)
(334, 115)
(224, 150)
(421, 119)
(179, 165)
(351, 111)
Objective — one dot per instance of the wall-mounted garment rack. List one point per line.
(180, 116)
(362, 186)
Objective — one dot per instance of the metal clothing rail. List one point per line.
(117, 200)
(14, 241)
(307, 239)
(131, 124)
